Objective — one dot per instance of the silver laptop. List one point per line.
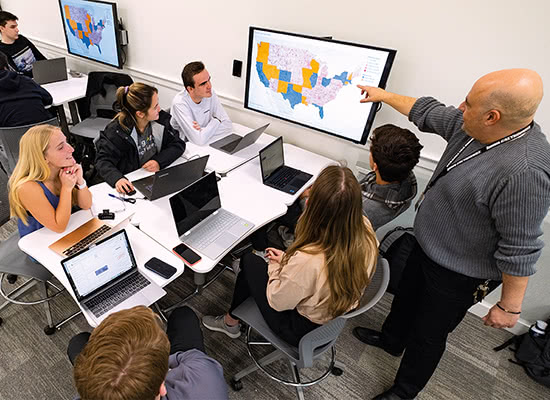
(105, 278)
(48, 71)
(234, 143)
(201, 222)
(170, 180)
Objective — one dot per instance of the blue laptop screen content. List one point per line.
(100, 264)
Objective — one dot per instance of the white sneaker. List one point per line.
(218, 324)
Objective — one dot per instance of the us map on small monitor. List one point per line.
(313, 81)
(90, 30)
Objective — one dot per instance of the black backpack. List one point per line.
(395, 246)
(532, 353)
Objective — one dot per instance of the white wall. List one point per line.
(443, 46)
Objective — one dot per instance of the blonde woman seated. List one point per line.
(322, 275)
(46, 181)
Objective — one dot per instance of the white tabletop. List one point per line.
(156, 219)
(69, 90)
(223, 162)
(36, 245)
(250, 174)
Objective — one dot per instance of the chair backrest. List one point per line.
(320, 339)
(4, 202)
(102, 106)
(9, 142)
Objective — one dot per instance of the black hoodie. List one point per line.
(22, 101)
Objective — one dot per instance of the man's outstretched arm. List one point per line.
(403, 104)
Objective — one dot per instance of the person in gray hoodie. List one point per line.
(22, 101)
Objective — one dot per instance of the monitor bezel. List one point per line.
(117, 34)
(383, 80)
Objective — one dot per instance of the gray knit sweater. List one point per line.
(484, 217)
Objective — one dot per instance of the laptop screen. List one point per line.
(100, 264)
(194, 203)
(271, 158)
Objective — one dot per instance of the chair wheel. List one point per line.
(236, 385)
(336, 371)
(49, 330)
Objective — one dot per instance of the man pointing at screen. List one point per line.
(478, 222)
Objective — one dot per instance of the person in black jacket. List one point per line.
(21, 52)
(22, 101)
(133, 139)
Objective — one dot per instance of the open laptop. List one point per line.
(172, 179)
(48, 71)
(86, 235)
(234, 143)
(276, 174)
(105, 278)
(201, 222)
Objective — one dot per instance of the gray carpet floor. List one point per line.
(35, 366)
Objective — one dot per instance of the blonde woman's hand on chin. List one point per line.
(67, 177)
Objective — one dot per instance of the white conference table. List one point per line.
(36, 244)
(222, 162)
(67, 92)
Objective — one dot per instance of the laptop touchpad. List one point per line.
(239, 229)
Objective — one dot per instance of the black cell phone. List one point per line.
(186, 254)
(160, 267)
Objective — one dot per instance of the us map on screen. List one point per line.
(90, 30)
(313, 82)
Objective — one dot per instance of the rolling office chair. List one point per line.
(9, 143)
(313, 345)
(14, 261)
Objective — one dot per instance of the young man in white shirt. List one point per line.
(196, 111)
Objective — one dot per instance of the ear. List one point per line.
(140, 114)
(162, 390)
(492, 117)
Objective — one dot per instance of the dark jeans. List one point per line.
(252, 280)
(429, 304)
(183, 330)
(290, 219)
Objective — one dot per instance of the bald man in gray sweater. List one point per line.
(478, 222)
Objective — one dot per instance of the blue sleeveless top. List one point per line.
(33, 224)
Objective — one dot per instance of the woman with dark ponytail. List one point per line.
(133, 139)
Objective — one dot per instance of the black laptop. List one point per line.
(172, 179)
(234, 143)
(276, 174)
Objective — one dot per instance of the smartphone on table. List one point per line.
(160, 267)
(186, 254)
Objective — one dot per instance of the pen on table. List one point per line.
(123, 199)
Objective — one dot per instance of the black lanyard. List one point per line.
(453, 164)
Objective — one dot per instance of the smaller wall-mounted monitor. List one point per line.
(91, 30)
(313, 81)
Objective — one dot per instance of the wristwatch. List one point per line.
(82, 186)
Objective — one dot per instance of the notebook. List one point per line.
(202, 223)
(276, 174)
(172, 179)
(105, 278)
(85, 235)
(234, 143)
(48, 71)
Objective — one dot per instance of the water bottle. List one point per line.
(538, 329)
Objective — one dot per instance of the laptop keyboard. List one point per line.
(284, 176)
(229, 147)
(209, 231)
(116, 294)
(86, 241)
